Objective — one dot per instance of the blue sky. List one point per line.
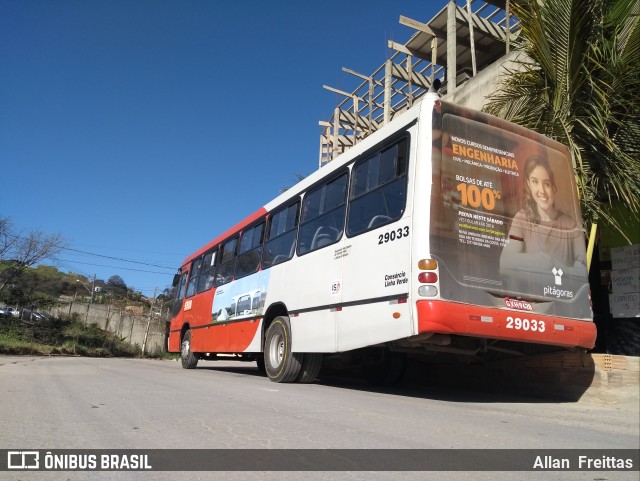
(141, 129)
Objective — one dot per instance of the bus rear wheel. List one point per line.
(280, 363)
(311, 365)
(188, 358)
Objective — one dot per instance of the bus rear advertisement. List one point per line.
(447, 231)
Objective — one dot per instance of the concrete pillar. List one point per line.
(451, 47)
(387, 91)
(336, 134)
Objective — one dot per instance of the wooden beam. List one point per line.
(492, 29)
(406, 50)
(416, 77)
(362, 76)
(464, 41)
(422, 27)
(341, 92)
(362, 122)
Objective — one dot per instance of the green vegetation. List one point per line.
(25, 282)
(42, 287)
(61, 336)
(579, 83)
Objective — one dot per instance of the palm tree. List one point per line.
(579, 83)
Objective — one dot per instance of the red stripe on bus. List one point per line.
(455, 318)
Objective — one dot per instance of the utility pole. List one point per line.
(75, 294)
(146, 333)
(93, 288)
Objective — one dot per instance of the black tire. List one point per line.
(281, 364)
(311, 365)
(388, 371)
(187, 357)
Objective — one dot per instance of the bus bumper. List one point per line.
(509, 325)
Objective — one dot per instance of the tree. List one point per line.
(19, 251)
(579, 83)
(116, 281)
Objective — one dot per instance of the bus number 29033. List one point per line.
(525, 324)
(393, 235)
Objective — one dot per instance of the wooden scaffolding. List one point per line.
(462, 39)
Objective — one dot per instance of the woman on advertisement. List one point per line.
(542, 236)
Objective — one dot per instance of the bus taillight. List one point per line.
(430, 277)
(427, 264)
(427, 277)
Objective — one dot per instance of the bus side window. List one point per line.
(206, 275)
(179, 295)
(281, 236)
(226, 269)
(378, 189)
(193, 277)
(250, 251)
(323, 212)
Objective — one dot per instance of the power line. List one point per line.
(72, 269)
(127, 249)
(118, 268)
(117, 259)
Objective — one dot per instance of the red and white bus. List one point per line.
(447, 231)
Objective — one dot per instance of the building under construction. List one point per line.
(464, 46)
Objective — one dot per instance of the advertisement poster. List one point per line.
(241, 299)
(624, 299)
(505, 211)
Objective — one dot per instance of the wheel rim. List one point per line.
(276, 350)
(185, 348)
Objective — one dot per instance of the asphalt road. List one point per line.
(80, 403)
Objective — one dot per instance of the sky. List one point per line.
(142, 129)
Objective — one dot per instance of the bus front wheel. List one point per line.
(281, 364)
(188, 358)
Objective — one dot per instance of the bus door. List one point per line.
(376, 254)
(318, 266)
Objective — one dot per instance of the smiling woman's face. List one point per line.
(542, 188)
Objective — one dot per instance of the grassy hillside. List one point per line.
(68, 336)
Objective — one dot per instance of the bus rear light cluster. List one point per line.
(428, 291)
(427, 264)
(429, 277)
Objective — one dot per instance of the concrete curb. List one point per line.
(578, 376)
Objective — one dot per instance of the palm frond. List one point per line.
(580, 84)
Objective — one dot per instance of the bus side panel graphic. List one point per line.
(242, 299)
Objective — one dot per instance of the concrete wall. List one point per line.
(127, 326)
(474, 92)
